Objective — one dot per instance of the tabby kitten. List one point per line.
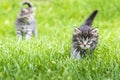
(25, 22)
(85, 38)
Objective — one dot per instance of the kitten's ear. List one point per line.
(77, 31)
(94, 31)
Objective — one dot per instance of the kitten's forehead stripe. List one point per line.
(85, 31)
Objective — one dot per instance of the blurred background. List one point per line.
(48, 56)
(60, 16)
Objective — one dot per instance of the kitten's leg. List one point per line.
(35, 33)
(34, 28)
(91, 52)
(19, 35)
(75, 54)
(28, 34)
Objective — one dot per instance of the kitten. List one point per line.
(25, 22)
(85, 38)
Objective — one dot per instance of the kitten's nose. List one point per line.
(84, 45)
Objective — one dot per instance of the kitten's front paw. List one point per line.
(75, 54)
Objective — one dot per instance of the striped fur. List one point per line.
(25, 22)
(85, 38)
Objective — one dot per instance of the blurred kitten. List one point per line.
(25, 22)
(85, 38)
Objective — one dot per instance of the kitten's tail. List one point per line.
(27, 3)
(90, 19)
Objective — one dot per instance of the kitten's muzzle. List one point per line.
(84, 45)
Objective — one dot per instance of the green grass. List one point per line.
(48, 57)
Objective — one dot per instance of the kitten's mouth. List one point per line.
(84, 47)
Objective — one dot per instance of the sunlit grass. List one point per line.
(48, 56)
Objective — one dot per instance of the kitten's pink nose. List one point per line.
(84, 45)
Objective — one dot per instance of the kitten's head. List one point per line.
(28, 12)
(85, 38)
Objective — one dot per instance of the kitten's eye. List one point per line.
(81, 40)
(89, 41)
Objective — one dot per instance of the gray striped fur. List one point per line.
(85, 38)
(26, 23)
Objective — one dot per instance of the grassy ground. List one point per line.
(48, 56)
